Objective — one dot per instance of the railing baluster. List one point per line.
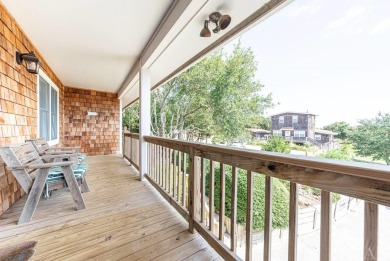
(202, 190)
(178, 177)
(249, 216)
(148, 159)
(194, 188)
(169, 170)
(211, 197)
(325, 243)
(164, 169)
(184, 188)
(233, 231)
(174, 174)
(155, 163)
(222, 181)
(293, 222)
(370, 231)
(268, 219)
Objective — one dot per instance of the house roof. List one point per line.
(292, 112)
(259, 130)
(325, 132)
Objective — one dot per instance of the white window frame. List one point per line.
(318, 137)
(295, 119)
(54, 86)
(277, 132)
(281, 119)
(287, 133)
(299, 134)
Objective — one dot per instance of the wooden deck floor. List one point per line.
(125, 219)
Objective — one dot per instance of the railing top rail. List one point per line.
(365, 170)
(132, 135)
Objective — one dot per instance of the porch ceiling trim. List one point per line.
(169, 20)
(259, 15)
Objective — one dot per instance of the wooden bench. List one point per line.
(44, 148)
(31, 173)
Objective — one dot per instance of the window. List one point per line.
(48, 110)
(299, 133)
(317, 137)
(277, 133)
(295, 119)
(287, 133)
(281, 119)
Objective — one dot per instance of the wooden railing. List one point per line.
(131, 148)
(177, 169)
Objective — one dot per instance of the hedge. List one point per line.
(280, 198)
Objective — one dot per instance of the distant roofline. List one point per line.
(259, 130)
(325, 132)
(293, 112)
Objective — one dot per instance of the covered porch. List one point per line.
(125, 219)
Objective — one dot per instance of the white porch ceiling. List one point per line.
(94, 44)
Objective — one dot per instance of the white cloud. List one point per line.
(309, 8)
(352, 22)
(382, 28)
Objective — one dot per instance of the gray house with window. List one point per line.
(300, 127)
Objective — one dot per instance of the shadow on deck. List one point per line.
(125, 219)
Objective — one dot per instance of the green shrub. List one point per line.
(280, 198)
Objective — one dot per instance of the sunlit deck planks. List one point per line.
(125, 219)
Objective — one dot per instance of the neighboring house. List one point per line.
(260, 133)
(300, 127)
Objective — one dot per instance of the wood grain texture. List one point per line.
(130, 222)
(370, 232)
(370, 182)
(34, 196)
(222, 187)
(326, 222)
(203, 191)
(233, 217)
(249, 216)
(293, 223)
(268, 219)
(211, 196)
(194, 189)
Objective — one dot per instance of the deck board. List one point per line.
(125, 219)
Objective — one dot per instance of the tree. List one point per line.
(341, 127)
(277, 144)
(217, 97)
(130, 117)
(371, 138)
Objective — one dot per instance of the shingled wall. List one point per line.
(18, 108)
(97, 135)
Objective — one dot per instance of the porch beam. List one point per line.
(144, 118)
(175, 11)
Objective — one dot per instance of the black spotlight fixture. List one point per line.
(221, 23)
(32, 62)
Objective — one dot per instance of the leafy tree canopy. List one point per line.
(218, 97)
(341, 127)
(371, 138)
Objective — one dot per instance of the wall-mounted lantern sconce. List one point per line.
(221, 22)
(92, 113)
(32, 62)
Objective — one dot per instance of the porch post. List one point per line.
(144, 116)
(120, 129)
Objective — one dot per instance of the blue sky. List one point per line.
(328, 57)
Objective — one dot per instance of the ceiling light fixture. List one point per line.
(221, 22)
(32, 62)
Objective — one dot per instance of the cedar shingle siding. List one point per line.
(18, 108)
